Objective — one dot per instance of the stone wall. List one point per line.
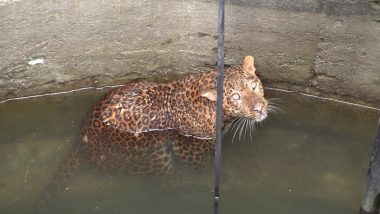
(329, 48)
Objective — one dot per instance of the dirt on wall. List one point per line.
(324, 47)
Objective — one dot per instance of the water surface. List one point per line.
(311, 159)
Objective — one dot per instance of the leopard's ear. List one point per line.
(249, 65)
(209, 94)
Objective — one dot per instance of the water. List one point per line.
(311, 159)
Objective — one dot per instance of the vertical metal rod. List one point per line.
(370, 203)
(219, 106)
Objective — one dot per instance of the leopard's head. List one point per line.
(243, 93)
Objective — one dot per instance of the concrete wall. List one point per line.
(324, 47)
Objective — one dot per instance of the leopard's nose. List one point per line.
(258, 107)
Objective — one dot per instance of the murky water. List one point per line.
(311, 159)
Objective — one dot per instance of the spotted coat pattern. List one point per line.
(186, 105)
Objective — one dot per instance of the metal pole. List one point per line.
(370, 203)
(219, 106)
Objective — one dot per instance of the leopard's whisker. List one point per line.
(271, 103)
(236, 129)
(249, 127)
(241, 127)
(274, 99)
(252, 128)
(273, 106)
(275, 109)
(234, 122)
(245, 129)
(229, 125)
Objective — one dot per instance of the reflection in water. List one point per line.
(151, 153)
(311, 159)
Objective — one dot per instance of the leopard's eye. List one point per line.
(236, 96)
(253, 85)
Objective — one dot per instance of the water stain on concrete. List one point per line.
(323, 47)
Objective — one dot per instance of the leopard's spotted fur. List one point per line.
(125, 130)
(186, 105)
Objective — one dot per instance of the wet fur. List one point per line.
(141, 127)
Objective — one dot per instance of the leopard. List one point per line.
(141, 127)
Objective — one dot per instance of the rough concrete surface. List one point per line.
(323, 47)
